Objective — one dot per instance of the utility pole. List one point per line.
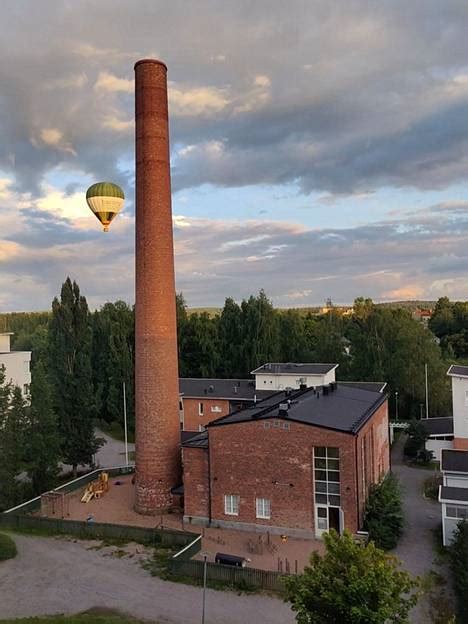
(396, 405)
(125, 423)
(427, 392)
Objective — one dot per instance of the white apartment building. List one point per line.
(17, 364)
(279, 376)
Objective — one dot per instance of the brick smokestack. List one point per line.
(156, 369)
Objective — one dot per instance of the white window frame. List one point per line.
(200, 408)
(263, 508)
(231, 504)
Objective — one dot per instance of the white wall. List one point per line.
(460, 406)
(452, 480)
(4, 342)
(17, 367)
(436, 447)
(272, 381)
(448, 527)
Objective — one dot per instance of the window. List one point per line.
(327, 475)
(455, 511)
(200, 409)
(216, 409)
(201, 428)
(322, 518)
(231, 505)
(263, 508)
(181, 407)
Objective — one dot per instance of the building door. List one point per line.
(328, 518)
(334, 518)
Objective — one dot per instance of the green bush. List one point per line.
(7, 547)
(417, 436)
(383, 517)
(459, 559)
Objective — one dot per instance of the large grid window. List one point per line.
(231, 505)
(327, 475)
(263, 506)
(456, 511)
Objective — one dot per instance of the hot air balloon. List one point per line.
(105, 199)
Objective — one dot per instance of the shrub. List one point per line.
(417, 437)
(383, 517)
(7, 547)
(351, 584)
(458, 559)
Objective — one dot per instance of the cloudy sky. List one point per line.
(319, 149)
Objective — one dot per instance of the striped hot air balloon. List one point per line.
(105, 199)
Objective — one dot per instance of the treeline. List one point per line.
(449, 322)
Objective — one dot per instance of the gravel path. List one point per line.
(52, 575)
(422, 517)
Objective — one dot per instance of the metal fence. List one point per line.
(237, 577)
(96, 530)
(70, 486)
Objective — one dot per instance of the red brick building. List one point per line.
(299, 462)
(204, 400)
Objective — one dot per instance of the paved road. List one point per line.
(53, 575)
(422, 516)
(112, 453)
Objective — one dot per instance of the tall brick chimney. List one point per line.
(156, 369)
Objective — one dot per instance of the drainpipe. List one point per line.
(209, 481)
(357, 480)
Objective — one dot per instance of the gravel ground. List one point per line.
(52, 575)
(422, 517)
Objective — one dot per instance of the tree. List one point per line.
(417, 436)
(260, 328)
(383, 516)
(70, 337)
(43, 440)
(12, 443)
(351, 584)
(459, 559)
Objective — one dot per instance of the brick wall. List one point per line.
(250, 461)
(192, 418)
(373, 453)
(196, 486)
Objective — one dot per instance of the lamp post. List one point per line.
(396, 405)
(205, 559)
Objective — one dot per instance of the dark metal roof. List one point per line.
(458, 371)
(438, 426)
(232, 389)
(453, 494)
(346, 409)
(373, 386)
(454, 461)
(198, 440)
(291, 368)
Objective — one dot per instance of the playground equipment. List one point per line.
(96, 489)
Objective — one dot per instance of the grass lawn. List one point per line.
(94, 616)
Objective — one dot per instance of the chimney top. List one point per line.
(148, 60)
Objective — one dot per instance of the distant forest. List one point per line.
(377, 342)
(82, 359)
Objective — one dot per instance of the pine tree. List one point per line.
(70, 337)
(43, 440)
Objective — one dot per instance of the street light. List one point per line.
(396, 405)
(205, 559)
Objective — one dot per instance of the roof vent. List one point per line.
(235, 389)
(332, 386)
(210, 388)
(303, 386)
(283, 409)
(325, 390)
